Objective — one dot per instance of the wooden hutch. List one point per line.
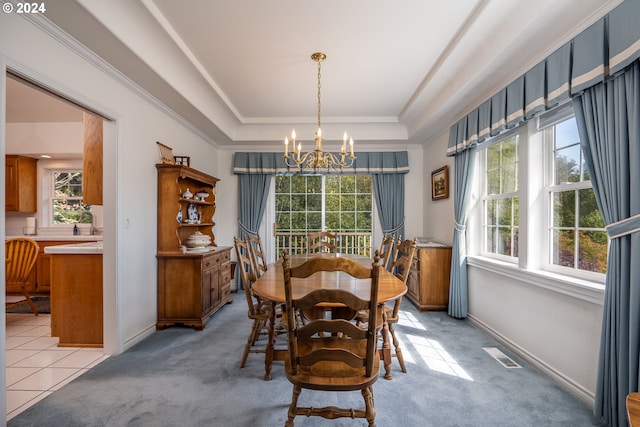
(192, 283)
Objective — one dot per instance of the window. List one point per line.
(536, 207)
(66, 199)
(501, 201)
(577, 236)
(337, 203)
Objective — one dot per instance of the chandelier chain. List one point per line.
(319, 86)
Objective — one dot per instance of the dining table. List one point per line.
(270, 287)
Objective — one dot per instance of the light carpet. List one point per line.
(181, 377)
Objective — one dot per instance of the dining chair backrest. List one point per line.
(20, 258)
(386, 250)
(20, 255)
(402, 256)
(322, 241)
(331, 354)
(257, 254)
(247, 274)
(401, 266)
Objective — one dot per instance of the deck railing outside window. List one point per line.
(348, 243)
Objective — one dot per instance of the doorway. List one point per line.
(40, 122)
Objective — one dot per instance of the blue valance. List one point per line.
(365, 163)
(601, 50)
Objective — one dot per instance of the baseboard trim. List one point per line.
(146, 332)
(571, 386)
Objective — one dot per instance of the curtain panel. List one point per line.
(608, 117)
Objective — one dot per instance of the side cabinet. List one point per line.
(428, 281)
(21, 184)
(192, 287)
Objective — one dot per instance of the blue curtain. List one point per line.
(464, 171)
(608, 117)
(388, 190)
(253, 190)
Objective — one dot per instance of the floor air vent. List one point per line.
(504, 360)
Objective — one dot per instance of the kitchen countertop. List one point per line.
(75, 249)
(60, 238)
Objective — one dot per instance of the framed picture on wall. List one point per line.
(440, 183)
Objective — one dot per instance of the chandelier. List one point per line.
(317, 159)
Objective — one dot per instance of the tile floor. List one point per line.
(36, 366)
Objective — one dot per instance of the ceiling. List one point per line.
(396, 73)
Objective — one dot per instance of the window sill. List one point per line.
(585, 290)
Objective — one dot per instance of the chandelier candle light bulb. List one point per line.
(317, 159)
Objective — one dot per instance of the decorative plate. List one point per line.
(192, 213)
(179, 216)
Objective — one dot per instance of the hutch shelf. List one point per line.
(192, 283)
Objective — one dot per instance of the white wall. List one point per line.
(438, 214)
(534, 315)
(64, 139)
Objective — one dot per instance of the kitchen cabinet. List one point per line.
(77, 299)
(92, 160)
(192, 284)
(428, 281)
(21, 185)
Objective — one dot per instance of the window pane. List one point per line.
(332, 202)
(504, 241)
(348, 202)
(490, 209)
(363, 184)
(490, 233)
(567, 164)
(563, 248)
(363, 202)
(347, 221)
(589, 214)
(592, 251)
(564, 208)
(314, 221)
(282, 202)
(363, 221)
(283, 222)
(283, 184)
(298, 184)
(67, 211)
(567, 133)
(493, 181)
(314, 202)
(348, 184)
(332, 220)
(504, 212)
(493, 157)
(298, 203)
(314, 184)
(509, 150)
(514, 247)
(510, 178)
(298, 221)
(332, 185)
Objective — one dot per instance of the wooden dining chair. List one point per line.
(400, 267)
(331, 354)
(386, 249)
(259, 311)
(20, 257)
(322, 241)
(257, 254)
